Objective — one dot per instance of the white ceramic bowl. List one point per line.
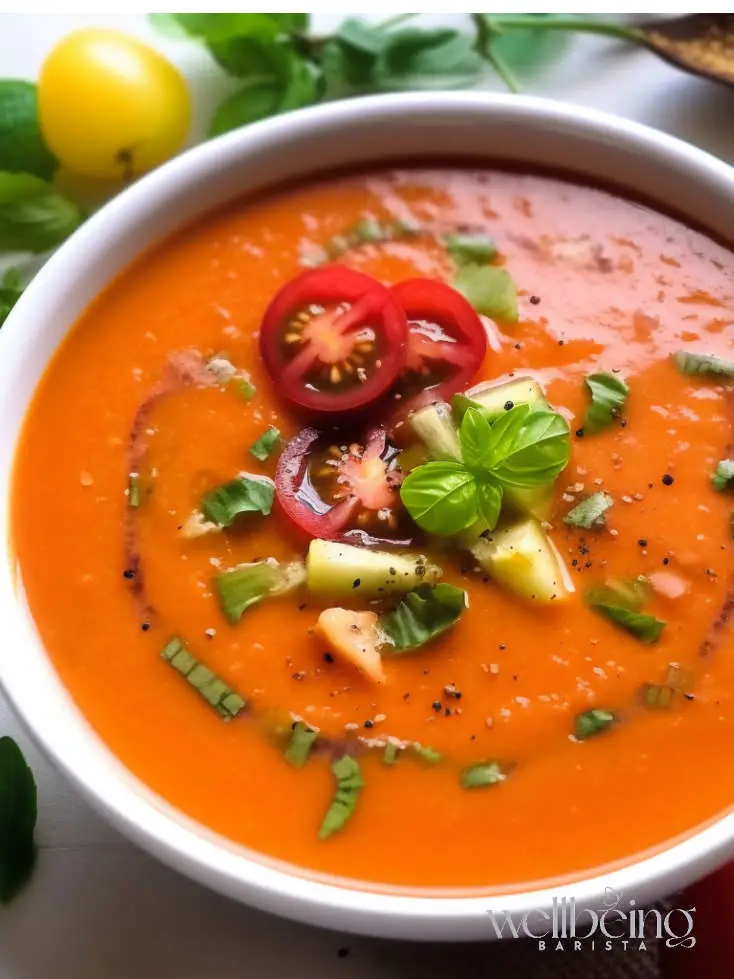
(528, 131)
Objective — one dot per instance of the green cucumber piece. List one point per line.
(435, 427)
(521, 557)
(340, 570)
(493, 398)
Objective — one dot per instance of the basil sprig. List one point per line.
(523, 448)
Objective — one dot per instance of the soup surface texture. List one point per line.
(604, 285)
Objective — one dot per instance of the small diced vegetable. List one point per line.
(435, 426)
(592, 722)
(495, 399)
(482, 774)
(421, 616)
(522, 558)
(215, 691)
(349, 784)
(246, 494)
(244, 586)
(354, 637)
(263, 447)
(342, 570)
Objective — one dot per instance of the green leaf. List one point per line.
(22, 146)
(349, 786)
(482, 774)
(425, 753)
(476, 438)
(590, 512)
(33, 216)
(490, 289)
(252, 59)
(421, 616)
(470, 249)
(10, 292)
(246, 494)
(592, 722)
(218, 694)
(532, 453)
(441, 497)
(427, 60)
(390, 755)
(263, 447)
(620, 602)
(688, 363)
(361, 36)
(489, 500)
(167, 25)
(244, 586)
(300, 744)
(221, 27)
(723, 475)
(346, 70)
(608, 398)
(18, 811)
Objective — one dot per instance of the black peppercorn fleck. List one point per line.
(667, 480)
(368, 723)
(128, 573)
(642, 542)
(436, 706)
(579, 433)
(535, 300)
(329, 657)
(509, 405)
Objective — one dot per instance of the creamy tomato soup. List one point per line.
(383, 525)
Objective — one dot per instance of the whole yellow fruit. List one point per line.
(110, 105)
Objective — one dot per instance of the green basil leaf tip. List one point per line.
(608, 398)
(620, 602)
(264, 446)
(689, 363)
(723, 475)
(34, 217)
(349, 785)
(420, 617)
(592, 722)
(481, 775)
(301, 742)
(246, 494)
(490, 289)
(22, 146)
(591, 512)
(18, 813)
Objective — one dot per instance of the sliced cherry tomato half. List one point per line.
(333, 340)
(343, 492)
(447, 343)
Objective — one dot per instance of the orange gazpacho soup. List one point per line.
(383, 525)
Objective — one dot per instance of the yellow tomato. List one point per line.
(111, 106)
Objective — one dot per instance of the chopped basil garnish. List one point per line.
(133, 490)
(657, 695)
(349, 784)
(215, 691)
(425, 753)
(300, 744)
(592, 722)
(246, 494)
(390, 754)
(608, 397)
(244, 388)
(394, 749)
(368, 231)
(470, 248)
(422, 616)
(265, 445)
(703, 364)
(490, 289)
(590, 512)
(723, 475)
(18, 810)
(244, 586)
(481, 774)
(620, 602)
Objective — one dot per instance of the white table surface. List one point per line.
(99, 908)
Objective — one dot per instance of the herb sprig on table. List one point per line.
(18, 810)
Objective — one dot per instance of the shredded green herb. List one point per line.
(688, 363)
(246, 494)
(490, 289)
(620, 602)
(349, 785)
(300, 744)
(421, 616)
(608, 398)
(657, 695)
(390, 754)
(208, 685)
(592, 722)
(723, 475)
(467, 249)
(266, 444)
(133, 490)
(244, 586)
(482, 774)
(425, 753)
(591, 512)
(244, 388)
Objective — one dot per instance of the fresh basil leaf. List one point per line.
(482, 774)
(300, 744)
(223, 26)
(421, 616)
(246, 494)
(33, 216)
(688, 363)
(18, 811)
(361, 36)
(22, 146)
(470, 249)
(253, 59)
(723, 475)
(538, 451)
(441, 497)
(489, 500)
(263, 447)
(620, 603)
(490, 289)
(427, 60)
(346, 70)
(592, 722)
(240, 588)
(476, 439)
(590, 512)
(349, 785)
(10, 292)
(608, 398)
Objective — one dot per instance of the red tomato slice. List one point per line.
(333, 340)
(341, 492)
(447, 342)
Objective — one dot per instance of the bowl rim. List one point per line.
(143, 816)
